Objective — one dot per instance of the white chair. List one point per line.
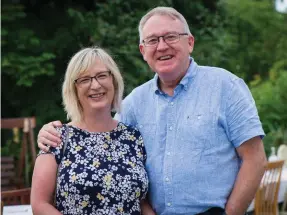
(284, 206)
(282, 153)
(266, 196)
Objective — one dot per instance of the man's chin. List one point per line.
(164, 72)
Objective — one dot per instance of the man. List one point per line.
(200, 125)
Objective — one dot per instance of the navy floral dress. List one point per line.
(100, 173)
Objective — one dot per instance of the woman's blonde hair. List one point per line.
(78, 65)
(162, 11)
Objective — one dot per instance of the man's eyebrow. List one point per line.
(151, 35)
(154, 35)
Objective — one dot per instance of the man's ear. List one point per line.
(142, 50)
(190, 43)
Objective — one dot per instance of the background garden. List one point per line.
(246, 37)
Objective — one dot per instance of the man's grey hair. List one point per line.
(162, 11)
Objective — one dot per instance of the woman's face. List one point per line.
(95, 88)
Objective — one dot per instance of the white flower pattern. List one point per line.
(101, 173)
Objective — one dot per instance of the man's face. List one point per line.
(170, 61)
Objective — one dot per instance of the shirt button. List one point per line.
(168, 153)
(166, 179)
(171, 103)
(170, 128)
(169, 204)
(140, 126)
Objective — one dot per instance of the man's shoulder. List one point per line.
(142, 90)
(149, 85)
(139, 95)
(217, 74)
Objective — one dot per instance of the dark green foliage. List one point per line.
(270, 96)
(39, 37)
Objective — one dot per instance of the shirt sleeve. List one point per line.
(241, 114)
(57, 151)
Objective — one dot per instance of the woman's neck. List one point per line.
(97, 122)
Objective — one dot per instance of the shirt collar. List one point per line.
(191, 72)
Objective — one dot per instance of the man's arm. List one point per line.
(48, 135)
(248, 179)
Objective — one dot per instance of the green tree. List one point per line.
(39, 37)
(254, 38)
(270, 96)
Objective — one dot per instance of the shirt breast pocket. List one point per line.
(198, 129)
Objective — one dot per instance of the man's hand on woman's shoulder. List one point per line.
(48, 135)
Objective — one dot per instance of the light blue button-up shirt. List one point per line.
(190, 137)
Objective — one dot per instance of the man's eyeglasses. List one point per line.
(168, 38)
(102, 78)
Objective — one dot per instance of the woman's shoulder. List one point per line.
(125, 127)
(63, 129)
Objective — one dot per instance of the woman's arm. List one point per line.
(43, 185)
(146, 209)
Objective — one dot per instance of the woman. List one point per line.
(99, 166)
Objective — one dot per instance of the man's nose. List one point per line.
(161, 44)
